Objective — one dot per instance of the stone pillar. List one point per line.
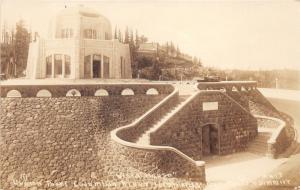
(91, 66)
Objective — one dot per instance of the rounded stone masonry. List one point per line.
(64, 139)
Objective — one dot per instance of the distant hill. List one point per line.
(162, 62)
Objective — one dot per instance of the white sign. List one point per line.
(207, 106)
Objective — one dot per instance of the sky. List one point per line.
(228, 34)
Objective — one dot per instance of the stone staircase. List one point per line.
(145, 137)
(259, 145)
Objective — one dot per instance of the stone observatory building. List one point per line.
(79, 46)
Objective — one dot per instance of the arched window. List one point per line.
(127, 92)
(73, 92)
(152, 91)
(13, 94)
(43, 93)
(101, 92)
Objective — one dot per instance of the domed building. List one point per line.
(79, 46)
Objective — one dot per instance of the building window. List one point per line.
(87, 66)
(106, 36)
(90, 34)
(105, 67)
(57, 64)
(63, 33)
(66, 33)
(49, 65)
(67, 65)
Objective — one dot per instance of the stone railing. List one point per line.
(83, 89)
(151, 159)
(278, 141)
(176, 111)
(132, 134)
(228, 85)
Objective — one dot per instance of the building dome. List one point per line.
(81, 22)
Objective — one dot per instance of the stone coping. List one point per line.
(228, 84)
(114, 135)
(60, 90)
(276, 132)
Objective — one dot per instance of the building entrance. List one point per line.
(96, 69)
(210, 144)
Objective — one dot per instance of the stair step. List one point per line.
(145, 137)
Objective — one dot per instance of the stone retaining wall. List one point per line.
(63, 139)
(280, 139)
(161, 162)
(236, 127)
(154, 159)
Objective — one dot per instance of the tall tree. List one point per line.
(167, 47)
(120, 36)
(22, 41)
(177, 51)
(115, 35)
(131, 38)
(172, 48)
(126, 38)
(137, 39)
(143, 39)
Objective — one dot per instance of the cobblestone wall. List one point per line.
(63, 139)
(161, 162)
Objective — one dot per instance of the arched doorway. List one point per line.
(210, 139)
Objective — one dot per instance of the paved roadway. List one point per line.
(287, 101)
